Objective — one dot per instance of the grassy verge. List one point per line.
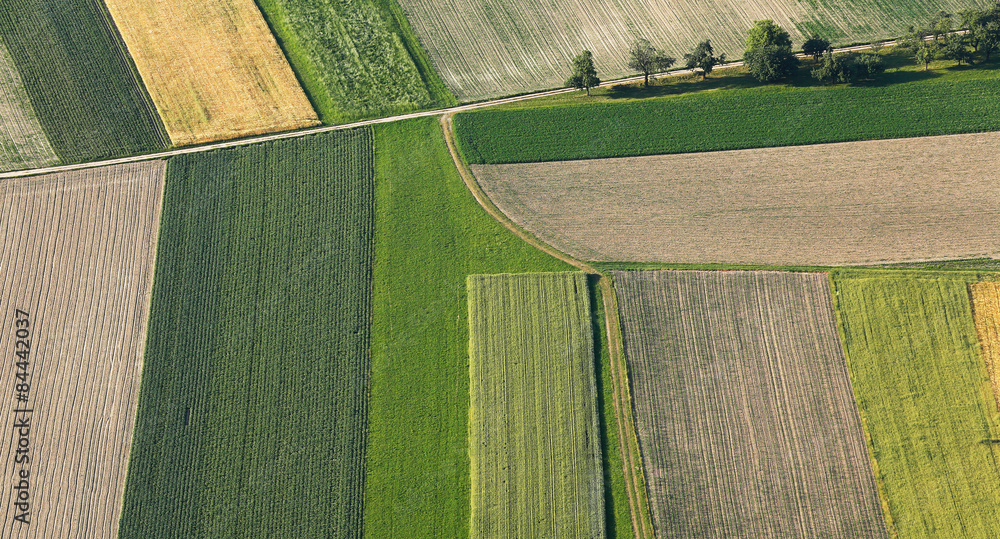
(732, 111)
(80, 79)
(357, 60)
(431, 234)
(616, 506)
(252, 409)
(925, 399)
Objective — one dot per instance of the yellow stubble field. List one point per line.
(213, 69)
(76, 273)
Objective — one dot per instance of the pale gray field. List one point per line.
(745, 414)
(489, 48)
(78, 252)
(928, 198)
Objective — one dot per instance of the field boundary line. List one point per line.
(629, 445)
(422, 114)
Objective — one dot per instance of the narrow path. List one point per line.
(634, 479)
(326, 129)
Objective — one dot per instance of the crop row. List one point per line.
(79, 251)
(728, 120)
(253, 412)
(744, 408)
(924, 395)
(80, 79)
(534, 438)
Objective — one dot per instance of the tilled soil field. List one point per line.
(76, 272)
(744, 409)
(929, 198)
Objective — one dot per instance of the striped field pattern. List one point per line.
(535, 443)
(986, 313)
(744, 409)
(487, 48)
(78, 256)
(22, 142)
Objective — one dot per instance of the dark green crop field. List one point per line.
(355, 59)
(253, 408)
(937, 103)
(80, 79)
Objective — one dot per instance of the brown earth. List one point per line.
(78, 252)
(744, 407)
(213, 69)
(928, 198)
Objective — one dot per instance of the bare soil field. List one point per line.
(745, 413)
(22, 142)
(489, 48)
(986, 313)
(928, 198)
(77, 270)
(213, 69)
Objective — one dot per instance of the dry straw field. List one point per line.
(927, 198)
(213, 69)
(744, 408)
(77, 268)
(534, 438)
(487, 48)
(986, 313)
(22, 142)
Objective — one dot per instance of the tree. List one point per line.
(984, 29)
(769, 52)
(940, 25)
(701, 58)
(955, 48)
(835, 68)
(584, 73)
(926, 52)
(645, 59)
(815, 46)
(765, 33)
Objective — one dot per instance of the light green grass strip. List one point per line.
(22, 142)
(924, 395)
(534, 437)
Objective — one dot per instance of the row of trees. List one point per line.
(769, 57)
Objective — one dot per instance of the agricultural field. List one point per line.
(430, 235)
(22, 142)
(534, 440)
(80, 81)
(355, 60)
(986, 313)
(744, 408)
(491, 48)
(925, 398)
(848, 203)
(76, 273)
(253, 407)
(905, 103)
(213, 69)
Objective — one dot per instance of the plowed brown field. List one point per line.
(744, 408)
(76, 273)
(928, 198)
(986, 312)
(213, 69)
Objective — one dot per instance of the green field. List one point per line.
(80, 79)
(733, 114)
(924, 395)
(253, 407)
(355, 60)
(430, 235)
(534, 437)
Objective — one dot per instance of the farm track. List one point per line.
(629, 445)
(326, 129)
(79, 252)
